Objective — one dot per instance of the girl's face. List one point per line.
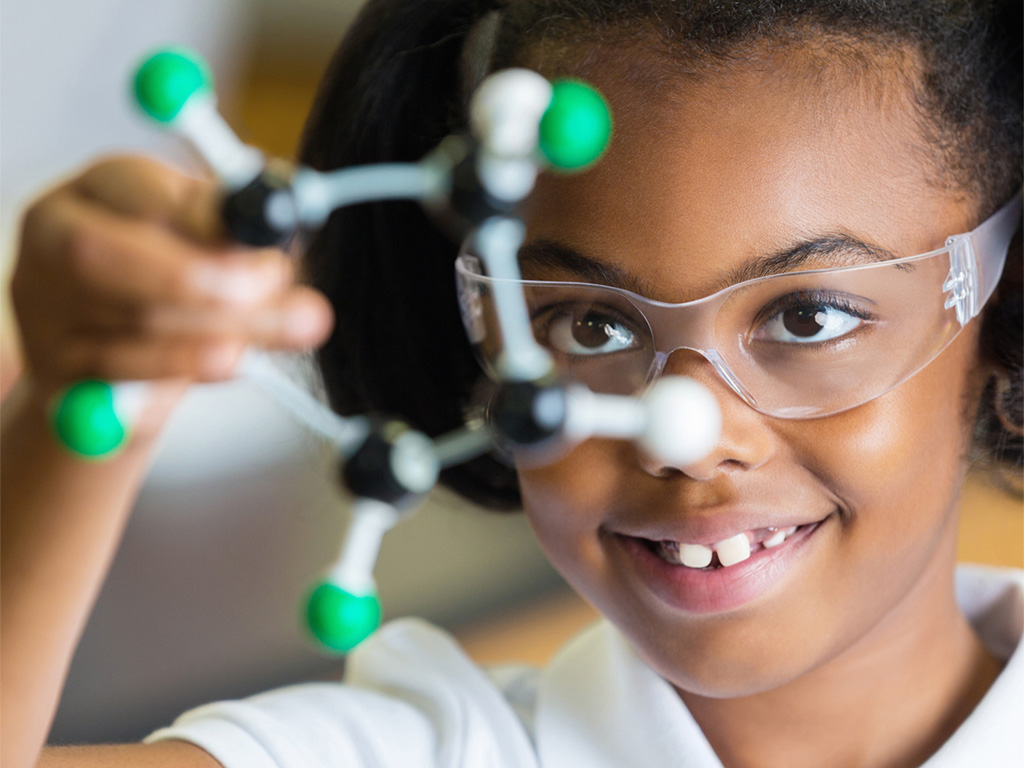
(700, 178)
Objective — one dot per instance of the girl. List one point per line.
(752, 139)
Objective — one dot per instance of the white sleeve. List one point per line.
(412, 698)
(306, 726)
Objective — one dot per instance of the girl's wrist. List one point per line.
(31, 407)
(143, 409)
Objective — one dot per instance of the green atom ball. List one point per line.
(86, 422)
(168, 79)
(339, 619)
(576, 127)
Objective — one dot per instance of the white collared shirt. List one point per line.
(413, 698)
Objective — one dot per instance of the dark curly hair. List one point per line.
(398, 84)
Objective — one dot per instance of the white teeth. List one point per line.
(777, 538)
(694, 555)
(730, 551)
(733, 550)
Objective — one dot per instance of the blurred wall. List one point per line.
(296, 33)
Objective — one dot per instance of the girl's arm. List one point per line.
(121, 275)
(61, 523)
(164, 754)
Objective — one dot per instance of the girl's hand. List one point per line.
(124, 273)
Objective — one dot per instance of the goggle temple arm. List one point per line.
(976, 261)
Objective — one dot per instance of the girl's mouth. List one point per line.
(725, 553)
(721, 577)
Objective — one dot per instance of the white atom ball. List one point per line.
(683, 421)
(506, 110)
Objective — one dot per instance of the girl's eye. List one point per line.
(808, 323)
(588, 333)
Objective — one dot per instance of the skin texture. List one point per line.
(860, 654)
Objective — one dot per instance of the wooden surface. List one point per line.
(529, 635)
(271, 106)
(991, 526)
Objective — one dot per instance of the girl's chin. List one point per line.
(728, 670)
(753, 641)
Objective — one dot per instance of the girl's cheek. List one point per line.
(567, 501)
(896, 462)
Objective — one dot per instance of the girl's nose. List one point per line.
(745, 442)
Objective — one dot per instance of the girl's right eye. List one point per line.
(586, 332)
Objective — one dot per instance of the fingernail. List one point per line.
(302, 324)
(236, 286)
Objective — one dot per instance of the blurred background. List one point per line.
(240, 512)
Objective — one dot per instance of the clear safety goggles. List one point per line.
(792, 345)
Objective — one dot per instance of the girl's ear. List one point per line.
(1012, 280)
(1001, 335)
(999, 430)
(1008, 343)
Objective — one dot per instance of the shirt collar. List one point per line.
(600, 706)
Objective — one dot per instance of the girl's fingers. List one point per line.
(131, 261)
(140, 187)
(207, 349)
(194, 344)
(300, 318)
(124, 274)
(211, 359)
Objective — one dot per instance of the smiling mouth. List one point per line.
(722, 576)
(726, 553)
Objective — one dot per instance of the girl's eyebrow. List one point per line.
(547, 254)
(836, 250)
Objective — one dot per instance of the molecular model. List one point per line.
(520, 124)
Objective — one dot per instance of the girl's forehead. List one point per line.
(710, 173)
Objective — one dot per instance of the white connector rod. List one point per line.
(318, 194)
(346, 433)
(353, 570)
